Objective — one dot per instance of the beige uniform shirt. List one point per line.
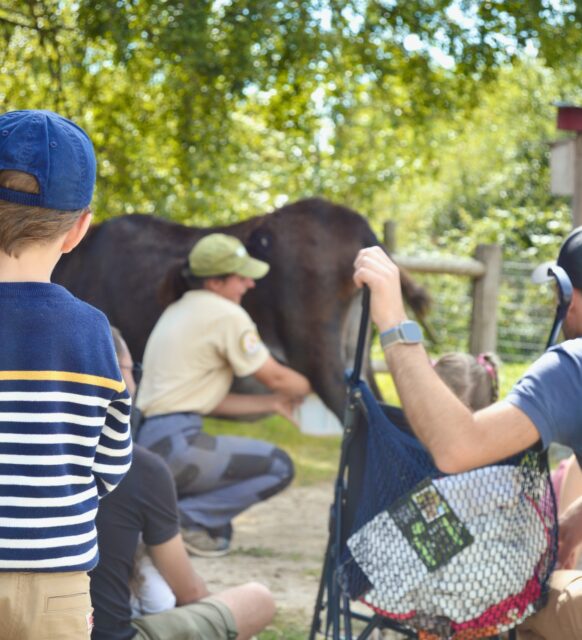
(196, 348)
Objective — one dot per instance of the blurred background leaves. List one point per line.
(434, 113)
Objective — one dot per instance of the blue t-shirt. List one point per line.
(550, 394)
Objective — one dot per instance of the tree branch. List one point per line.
(30, 24)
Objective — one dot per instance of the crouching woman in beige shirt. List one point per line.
(202, 340)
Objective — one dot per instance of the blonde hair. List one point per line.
(473, 379)
(22, 225)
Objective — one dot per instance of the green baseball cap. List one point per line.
(218, 254)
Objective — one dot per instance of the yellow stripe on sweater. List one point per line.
(64, 376)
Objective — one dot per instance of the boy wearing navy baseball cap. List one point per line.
(64, 408)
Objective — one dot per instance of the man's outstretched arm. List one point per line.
(457, 439)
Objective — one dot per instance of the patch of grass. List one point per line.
(255, 552)
(285, 629)
(312, 573)
(295, 630)
(387, 388)
(316, 457)
(262, 552)
(282, 632)
(509, 374)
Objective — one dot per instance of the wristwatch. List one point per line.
(407, 332)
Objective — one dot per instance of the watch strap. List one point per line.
(407, 332)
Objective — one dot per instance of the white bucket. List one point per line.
(314, 418)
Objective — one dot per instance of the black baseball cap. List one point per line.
(569, 258)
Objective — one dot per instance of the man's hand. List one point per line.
(375, 269)
(570, 527)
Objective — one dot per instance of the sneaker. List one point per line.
(199, 542)
(225, 531)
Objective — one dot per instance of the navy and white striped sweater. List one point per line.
(64, 427)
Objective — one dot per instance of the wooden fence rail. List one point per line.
(484, 269)
(431, 264)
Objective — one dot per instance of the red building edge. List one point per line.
(569, 118)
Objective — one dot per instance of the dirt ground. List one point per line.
(280, 543)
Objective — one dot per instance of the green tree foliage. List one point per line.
(485, 178)
(434, 112)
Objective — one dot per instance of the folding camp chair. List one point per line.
(336, 615)
(339, 611)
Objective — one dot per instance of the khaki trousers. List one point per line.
(45, 606)
(561, 618)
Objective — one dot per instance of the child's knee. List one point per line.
(263, 598)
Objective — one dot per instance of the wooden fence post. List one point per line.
(485, 298)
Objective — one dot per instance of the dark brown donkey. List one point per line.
(305, 308)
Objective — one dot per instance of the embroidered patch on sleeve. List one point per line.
(250, 342)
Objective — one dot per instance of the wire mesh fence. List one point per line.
(525, 312)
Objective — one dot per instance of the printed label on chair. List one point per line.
(430, 525)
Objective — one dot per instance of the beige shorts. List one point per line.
(561, 618)
(208, 619)
(45, 606)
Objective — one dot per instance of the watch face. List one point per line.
(411, 332)
(407, 332)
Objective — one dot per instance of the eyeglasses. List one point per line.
(136, 371)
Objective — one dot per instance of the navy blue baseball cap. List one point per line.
(569, 258)
(57, 152)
